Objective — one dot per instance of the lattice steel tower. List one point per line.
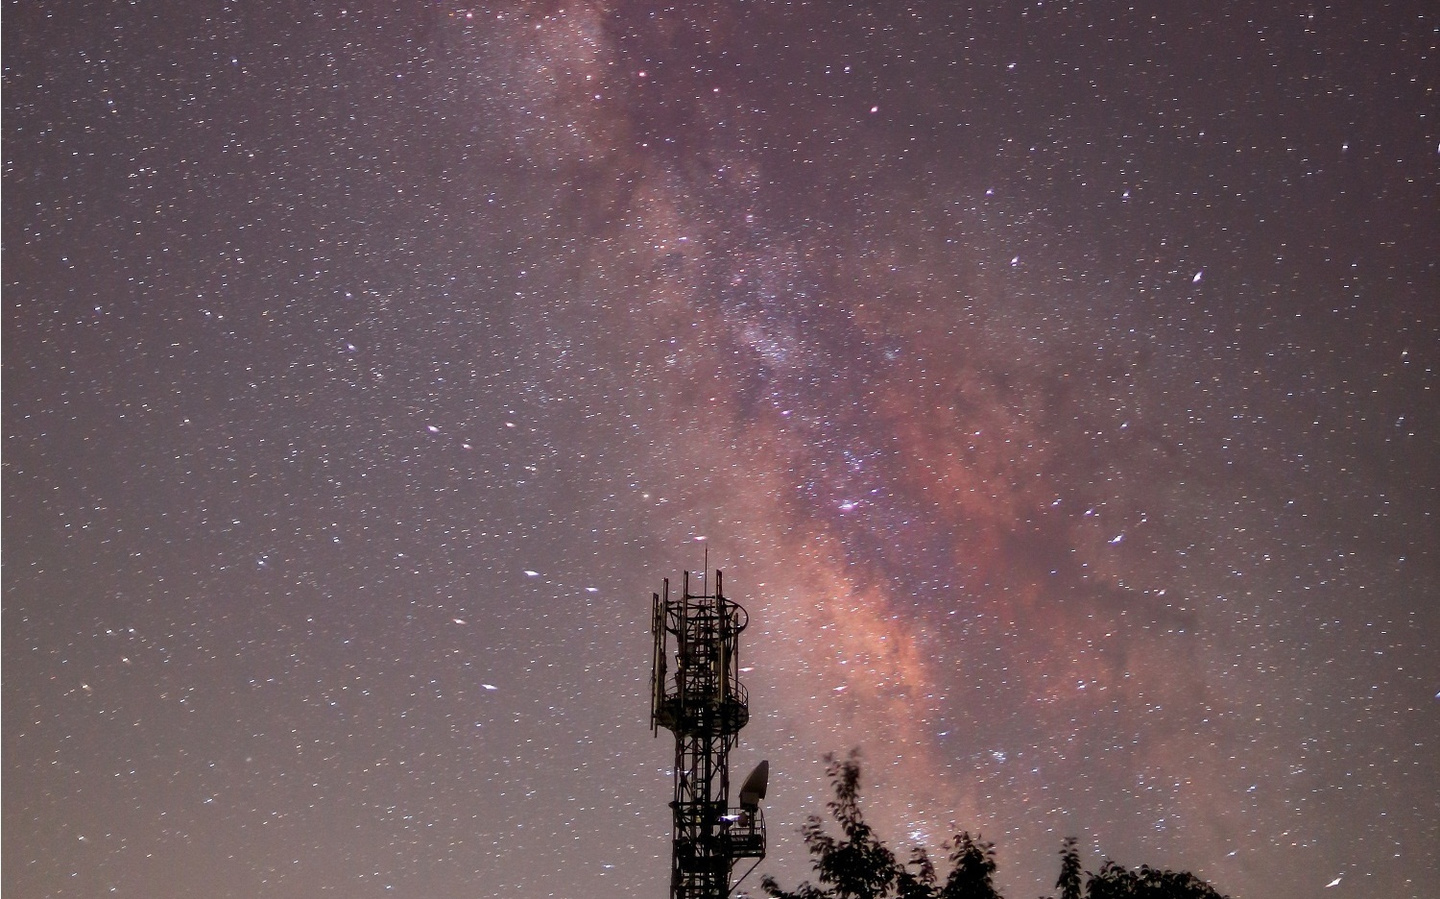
(704, 704)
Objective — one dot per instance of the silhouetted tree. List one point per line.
(1070, 870)
(972, 869)
(857, 865)
(1114, 881)
(919, 884)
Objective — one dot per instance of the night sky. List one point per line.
(1057, 385)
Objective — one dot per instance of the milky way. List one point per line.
(1056, 385)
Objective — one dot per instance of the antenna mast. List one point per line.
(703, 702)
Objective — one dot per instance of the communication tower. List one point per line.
(703, 702)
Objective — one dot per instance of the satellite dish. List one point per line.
(753, 789)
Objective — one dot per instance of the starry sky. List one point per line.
(1057, 384)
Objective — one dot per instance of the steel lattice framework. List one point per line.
(703, 702)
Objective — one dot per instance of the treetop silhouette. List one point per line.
(858, 865)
